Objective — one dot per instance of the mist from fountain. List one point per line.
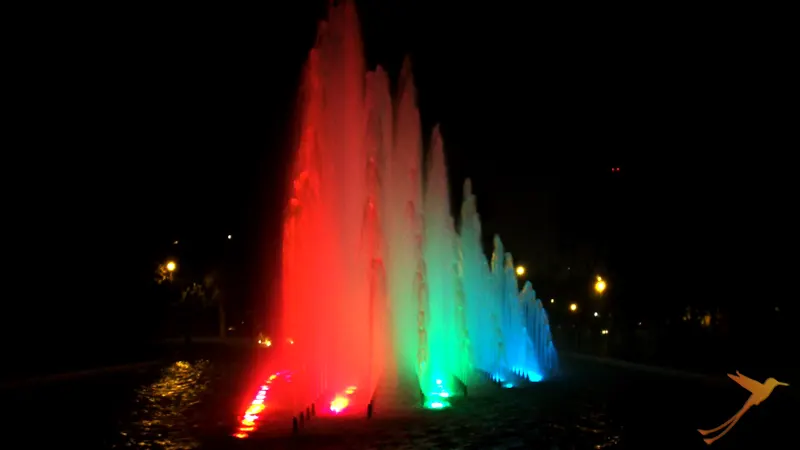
(376, 282)
(332, 266)
(508, 328)
(446, 333)
(401, 206)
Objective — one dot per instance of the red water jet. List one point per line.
(333, 296)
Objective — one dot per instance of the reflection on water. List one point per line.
(595, 426)
(185, 408)
(163, 414)
(251, 418)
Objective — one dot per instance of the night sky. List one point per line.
(171, 125)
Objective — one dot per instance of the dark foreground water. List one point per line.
(193, 402)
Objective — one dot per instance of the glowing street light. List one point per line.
(600, 285)
(229, 237)
(520, 271)
(165, 271)
(573, 307)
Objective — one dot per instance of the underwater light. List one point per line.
(437, 404)
(535, 377)
(439, 389)
(339, 403)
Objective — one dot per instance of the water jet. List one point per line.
(377, 282)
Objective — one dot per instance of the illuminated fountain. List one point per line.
(447, 340)
(343, 228)
(376, 282)
(508, 329)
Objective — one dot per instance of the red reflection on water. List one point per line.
(248, 422)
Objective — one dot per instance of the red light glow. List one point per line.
(257, 406)
(341, 401)
(333, 299)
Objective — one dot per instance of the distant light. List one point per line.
(520, 271)
(604, 332)
(175, 243)
(229, 236)
(640, 323)
(573, 307)
(552, 300)
(171, 266)
(600, 285)
(596, 314)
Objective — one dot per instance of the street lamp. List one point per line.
(600, 285)
(573, 307)
(520, 271)
(166, 271)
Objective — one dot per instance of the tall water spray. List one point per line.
(509, 330)
(332, 263)
(402, 202)
(376, 283)
(446, 333)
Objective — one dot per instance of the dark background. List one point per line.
(140, 127)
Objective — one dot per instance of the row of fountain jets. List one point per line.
(376, 279)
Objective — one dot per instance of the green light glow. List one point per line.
(446, 328)
(436, 404)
